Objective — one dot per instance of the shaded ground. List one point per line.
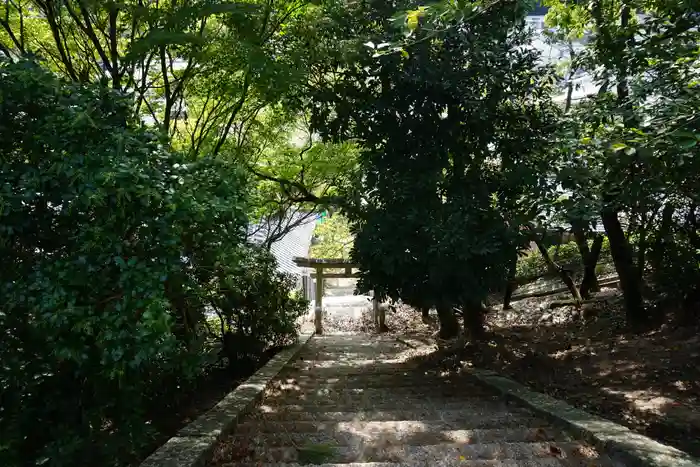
(372, 401)
(649, 382)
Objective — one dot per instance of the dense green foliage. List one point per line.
(218, 77)
(465, 160)
(626, 153)
(437, 194)
(332, 238)
(113, 248)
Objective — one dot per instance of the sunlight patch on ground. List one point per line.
(648, 401)
(615, 367)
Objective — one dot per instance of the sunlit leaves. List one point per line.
(573, 20)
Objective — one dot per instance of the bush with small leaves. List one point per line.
(113, 247)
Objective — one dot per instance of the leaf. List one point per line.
(618, 146)
(412, 20)
(689, 143)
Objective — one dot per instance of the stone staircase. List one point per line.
(362, 401)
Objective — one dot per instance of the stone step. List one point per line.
(373, 399)
(440, 454)
(407, 433)
(388, 365)
(361, 339)
(342, 292)
(355, 341)
(331, 368)
(311, 422)
(366, 373)
(360, 373)
(299, 404)
(458, 463)
(351, 358)
(401, 383)
(339, 351)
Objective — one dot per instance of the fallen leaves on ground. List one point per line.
(649, 382)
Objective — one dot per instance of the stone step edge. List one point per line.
(519, 451)
(633, 449)
(192, 445)
(442, 436)
(472, 463)
(428, 414)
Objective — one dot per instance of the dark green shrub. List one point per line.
(255, 304)
(87, 203)
(113, 247)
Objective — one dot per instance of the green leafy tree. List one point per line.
(619, 160)
(450, 149)
(333, 238)
(88, 207)
(219, 78)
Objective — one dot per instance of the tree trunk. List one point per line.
(579, 231)
(589, 258)
(589, 283)
(624, 265)
(510, 288)
(641, 253)
(449, 326)
(473, 315)
(511, 284)
(563, 273)
(662, 236)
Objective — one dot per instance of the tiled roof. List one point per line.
(295, 243)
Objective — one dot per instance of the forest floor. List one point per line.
(648, 381)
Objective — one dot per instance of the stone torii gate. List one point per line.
(319, 264)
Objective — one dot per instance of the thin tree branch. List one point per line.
(166, 83)
(113, 50)
(5, 51)
(234, 112)
(51, 18)
(5, 23)
(88, 29)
